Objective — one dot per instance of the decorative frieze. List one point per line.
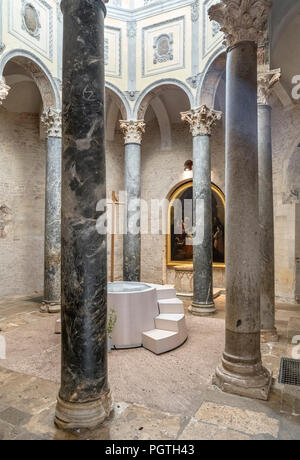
(133, 131)
(201, 120)
(51, 119)
(241, 20)
(266, 82)
(4, 90)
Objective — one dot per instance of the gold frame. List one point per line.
(174, 196)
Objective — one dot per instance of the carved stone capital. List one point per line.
(133, 131)
(201, 120)
(4, 90)
(241, 20)
(266, 82)
(51, 119)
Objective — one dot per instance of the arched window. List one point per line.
(179, 238)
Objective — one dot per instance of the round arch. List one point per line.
(153, 90)
(119, 99)
(177, 193)
(40, 74)
(213, 72)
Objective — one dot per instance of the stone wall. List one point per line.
(286, 179)
(22, 203)
(161, 172)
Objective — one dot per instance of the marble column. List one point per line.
(241, 371)
(266, 81)
(84, 399)
(4, 90)
(133, 131)
(201, 121)
(51, 119)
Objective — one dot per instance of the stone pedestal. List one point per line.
(84, 398)
(201, 121)
(133, 131)
(184, 281)
(52, 274)
(241, 371)
(266, 81)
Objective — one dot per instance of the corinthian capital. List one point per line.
(241, 20)
(266, 82)
(133, 131)
(51, 119)
(4, 90)
(201, 120)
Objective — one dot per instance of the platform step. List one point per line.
(164, 291)
(160, 341)
(170, 322)
(171, 306)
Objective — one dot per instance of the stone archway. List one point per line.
(45, 82)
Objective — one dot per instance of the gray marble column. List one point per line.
(266, 81)
(241, 371)
(133, 131)
(201, 121)
(84, 399)
(51, 119)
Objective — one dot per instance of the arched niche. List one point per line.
(179, 248)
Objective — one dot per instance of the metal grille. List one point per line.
(289, 372)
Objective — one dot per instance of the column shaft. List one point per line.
(52, 283)
(84, 397)
(242, 371)
(132, 239)
(266, 219)
(203, 303)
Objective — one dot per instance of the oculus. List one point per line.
(31, 20)
(163, 48)
(179, 243)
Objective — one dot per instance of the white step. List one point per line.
(170, 322)
(164, 291)
(171, 306)
(159, 341)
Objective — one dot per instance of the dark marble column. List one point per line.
(201, 122)
(133, 131)
(266, 81)
(84, 398)
(51, 119)
(241, 371)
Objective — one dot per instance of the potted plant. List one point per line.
(111, 322)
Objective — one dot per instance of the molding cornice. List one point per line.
(133, 131)
(51, 120)
(146, 11)
(201, 120)
(266, 82)
(241, 20)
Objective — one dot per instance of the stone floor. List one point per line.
(164, 397)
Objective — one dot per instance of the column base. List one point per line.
(202, 309)
(248, 380)
(269, 335)
(50, 307)
(71, 416)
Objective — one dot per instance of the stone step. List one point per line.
(164, 291)
(159, 341)
(170, 322)
(171, 306)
